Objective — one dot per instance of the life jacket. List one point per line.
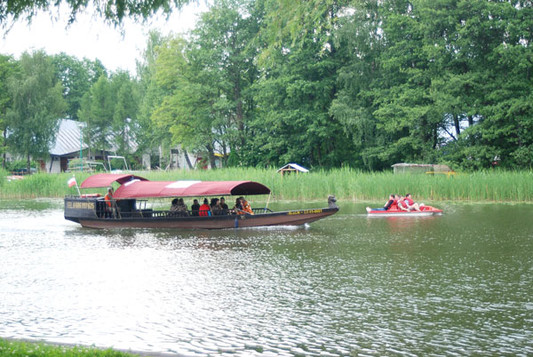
(246, 208)
(394, 205)
(107, 199)
(204, 210)
(409, 202)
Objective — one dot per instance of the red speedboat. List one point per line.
(424, 211)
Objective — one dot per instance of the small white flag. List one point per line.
(72, 182)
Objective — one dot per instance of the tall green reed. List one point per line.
(345, 183)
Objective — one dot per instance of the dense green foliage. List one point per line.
(77, 77)
(328, 84)
(37, 103)
(346, 183)
(31, 349)
(113, 11)
(356, 83)
(109, 110)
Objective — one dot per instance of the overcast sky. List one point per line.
(91, 38)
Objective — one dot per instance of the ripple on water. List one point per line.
(344, 286)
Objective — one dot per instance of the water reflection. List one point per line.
(456, 284)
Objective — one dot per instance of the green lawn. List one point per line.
(31, 349)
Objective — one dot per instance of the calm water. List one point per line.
(459, 284)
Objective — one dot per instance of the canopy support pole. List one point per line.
(268, 200)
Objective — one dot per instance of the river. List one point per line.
(349, 285)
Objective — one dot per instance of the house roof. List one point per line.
(67, 138)
(293, 167)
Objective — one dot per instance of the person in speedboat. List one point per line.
(402, 205)
(390, 203)
(411, 205)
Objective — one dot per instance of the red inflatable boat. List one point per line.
(424, 211)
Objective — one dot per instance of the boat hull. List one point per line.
(86, 213)
(425, 212)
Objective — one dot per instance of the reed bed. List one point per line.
(345, 183)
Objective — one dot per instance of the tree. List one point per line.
(36, 108)
(426, 81)
(206, 81)
(7, 69)
(294, 94)
(77, 77)
(96, 111)
(494, 39)
(125, 97)
(223, 45)
(185, 111)
(113, 11)
(151, 97)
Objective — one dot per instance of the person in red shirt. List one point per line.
(400, 202)
(108, 198)
(111, 206)
(205, 210)
(411, 205)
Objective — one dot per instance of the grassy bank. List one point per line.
(346, 184)
(31, 349)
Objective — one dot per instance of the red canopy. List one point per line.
(104, 180)
(143, 189)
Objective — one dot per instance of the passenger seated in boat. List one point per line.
(215, 207)
(178, 208)
(411, 205)
(205, 210)
(386, 207)
(394, 205)
(195, 208)
(246, 206)
(224, 206)
(402, 206)
(174, 205)
(237, 209)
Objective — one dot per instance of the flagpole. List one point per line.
(77, 187)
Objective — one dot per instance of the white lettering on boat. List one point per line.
(305, 211)
(80, 205)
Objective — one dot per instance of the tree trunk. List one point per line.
(4, 156)
(187, 160)
(211, 154)
(28, 164)
(457, 125)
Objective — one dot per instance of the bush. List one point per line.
(19, 167)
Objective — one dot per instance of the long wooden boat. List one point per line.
(131, 210)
